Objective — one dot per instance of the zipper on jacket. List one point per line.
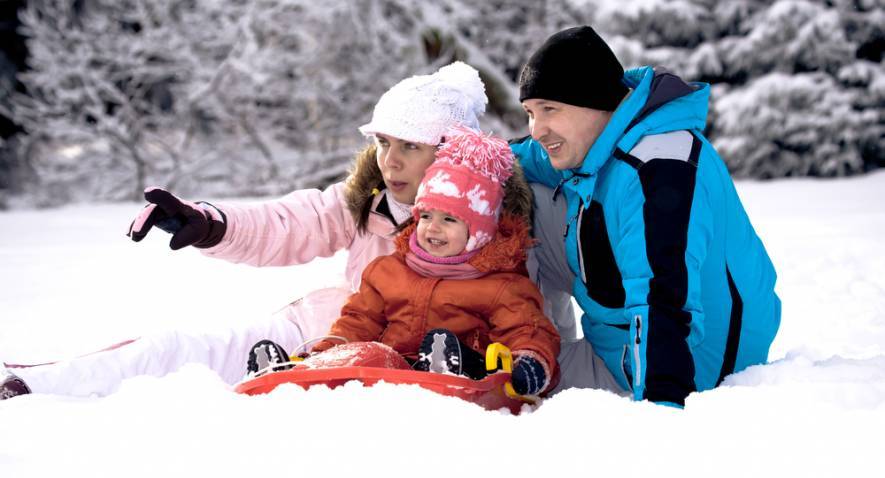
(637, 366)
(558, 188)
(569, 222)
(579, 242)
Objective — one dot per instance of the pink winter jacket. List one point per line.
(300, 227)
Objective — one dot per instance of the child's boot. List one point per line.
(440, 352)
(11, 385)
(264, 355)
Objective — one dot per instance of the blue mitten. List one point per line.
(528, 376)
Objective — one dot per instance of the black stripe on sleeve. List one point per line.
(669, 187)
(695, 151)
(734, 330)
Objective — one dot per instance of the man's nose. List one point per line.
(537, 129)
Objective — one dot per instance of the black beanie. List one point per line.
(575, 67)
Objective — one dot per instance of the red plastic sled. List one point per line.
(371, 362)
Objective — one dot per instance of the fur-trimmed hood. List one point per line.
(365, 177)
(506, 253)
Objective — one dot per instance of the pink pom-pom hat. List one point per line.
(467, 181)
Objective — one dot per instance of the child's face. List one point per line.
(441, 234)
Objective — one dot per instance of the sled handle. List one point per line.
(302, 349)
(493, 353)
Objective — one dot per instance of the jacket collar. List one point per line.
(658, 102)
(671, 104)
(382, 207)
(380, 221)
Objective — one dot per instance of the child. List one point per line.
(457, 281)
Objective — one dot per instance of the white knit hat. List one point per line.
(422, 108)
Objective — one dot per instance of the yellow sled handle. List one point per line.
(499, 350)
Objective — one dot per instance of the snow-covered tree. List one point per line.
(14, 174)
(497, 37)
(103, 85)
(797, 82)
(782, 125)
(253, 97)
(238, 97)
(299, 93)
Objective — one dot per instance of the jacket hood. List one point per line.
(659, 102)
(506, 253)
(365, 176)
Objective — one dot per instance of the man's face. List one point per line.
(565, 131)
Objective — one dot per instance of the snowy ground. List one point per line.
(71, 283)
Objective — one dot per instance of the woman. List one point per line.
(360, 214)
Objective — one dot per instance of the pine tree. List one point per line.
(796, 82)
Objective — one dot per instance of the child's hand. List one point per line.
(528, 377)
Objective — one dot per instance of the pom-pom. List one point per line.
(478, 151)
(465, 78)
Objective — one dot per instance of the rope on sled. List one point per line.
(314, 340)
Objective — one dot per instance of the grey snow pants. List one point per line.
(579, 366)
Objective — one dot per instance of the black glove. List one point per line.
(190, 224)
(528, 377)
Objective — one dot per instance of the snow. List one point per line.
(72, 282)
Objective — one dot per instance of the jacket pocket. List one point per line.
(628, 378)
(636, 340)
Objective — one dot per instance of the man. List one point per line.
(676, 289)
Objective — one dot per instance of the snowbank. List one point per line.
(72, 283)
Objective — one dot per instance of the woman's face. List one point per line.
(402, 164)
(441, 234)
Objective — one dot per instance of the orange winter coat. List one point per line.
(397, 306)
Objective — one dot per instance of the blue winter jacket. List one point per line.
(676, 287)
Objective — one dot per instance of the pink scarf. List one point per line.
(453, 267)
